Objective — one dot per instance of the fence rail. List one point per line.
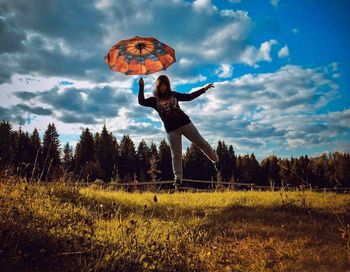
(214, 185)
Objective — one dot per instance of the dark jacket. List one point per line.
(169, 110)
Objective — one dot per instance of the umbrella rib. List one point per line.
(156, 57)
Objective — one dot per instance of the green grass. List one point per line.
(62, 227)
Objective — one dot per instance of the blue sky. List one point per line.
(280, 69)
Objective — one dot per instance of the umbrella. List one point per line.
(140, 56)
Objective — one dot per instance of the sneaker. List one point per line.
(177, 182)
(217, 166)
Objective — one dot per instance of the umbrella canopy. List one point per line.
(140, 56)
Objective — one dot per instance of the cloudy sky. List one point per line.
(280, 68)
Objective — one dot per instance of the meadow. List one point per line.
(63, 226)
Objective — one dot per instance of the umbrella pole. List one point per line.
(140, 74)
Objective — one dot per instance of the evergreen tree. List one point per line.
(264, 172)
(244, 173)
(254, 169)
(85, 151)
(165, 166)
(232, 165)
(227, 159)
(22, 159)
(127, 158)
(51, 153)
(143, 161)
(154, 151)
(270, 172)
(6, 144)
(35, 154)
(197, 165)
(68, 157)
(285, 172)
(106, 154)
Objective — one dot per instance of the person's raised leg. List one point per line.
(192, 133)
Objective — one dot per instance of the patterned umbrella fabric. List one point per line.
(140, 56)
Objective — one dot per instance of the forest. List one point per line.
(101, 156)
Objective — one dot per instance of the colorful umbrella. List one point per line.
(140, 56)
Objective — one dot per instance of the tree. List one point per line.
(143, 155)
(51, 153)
(197, 165)
(106, 154)
(248, 169)
(68, 157)
(6, 144)
(232, 169)
(85, 151)
(224, 158)
(165, 166)
(86, 166)
(254, 169)
(35, 153)
(243, 169)
(127, 158)
(22, 159)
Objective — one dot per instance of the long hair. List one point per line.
(162, 79)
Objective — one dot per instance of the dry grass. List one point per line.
(62, 227)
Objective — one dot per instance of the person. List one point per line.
(176, 122)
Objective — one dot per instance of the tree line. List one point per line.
(101, 156)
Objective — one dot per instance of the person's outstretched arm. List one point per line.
(147, 102)
(191, 96)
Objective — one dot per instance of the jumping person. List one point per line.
(176, 122)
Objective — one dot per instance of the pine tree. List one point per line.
(6, 144)
(68, 157)
(143, 161)
(22, 161)
(264, 172)
(127, 158)
(106, 154)
(51, 153)
(224, 157)
(154, 150)
(254, 169)
(85, 151)
(197, 165)
(35, 154)
(232, 169)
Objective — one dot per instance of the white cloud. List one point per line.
(224, 71)
(252, 55)
(204, 6)
(277, 109)
(283, 52)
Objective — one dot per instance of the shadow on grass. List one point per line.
(28, 245)
(288, 220)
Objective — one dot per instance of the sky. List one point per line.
(280, 69)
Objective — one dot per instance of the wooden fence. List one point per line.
(208, 186)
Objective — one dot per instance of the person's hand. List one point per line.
(141, 82)
(209, 86)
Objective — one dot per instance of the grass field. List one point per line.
(62, 227)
